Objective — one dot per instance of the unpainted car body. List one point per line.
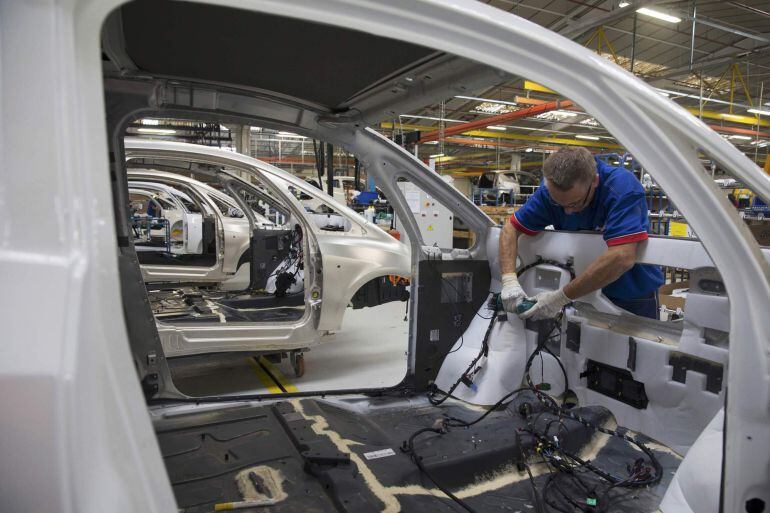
(353, 253)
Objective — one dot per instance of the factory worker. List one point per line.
(580, 192)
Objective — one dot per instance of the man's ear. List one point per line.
(596, 180)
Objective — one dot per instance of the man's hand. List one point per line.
(548, 305)
(512, 292)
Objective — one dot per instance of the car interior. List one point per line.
(592, 411)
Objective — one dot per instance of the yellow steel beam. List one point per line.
(733, 118)
(534, 86)
(393, 126)
(517, 137)
(537, 138)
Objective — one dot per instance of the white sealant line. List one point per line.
(387, 494)
(215, 309)
(321, 427)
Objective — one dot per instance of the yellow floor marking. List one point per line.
(263, 377)
(278, 375)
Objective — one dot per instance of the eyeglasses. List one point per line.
(576, 205)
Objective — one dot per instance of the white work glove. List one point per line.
(548, 305)
(512, 293)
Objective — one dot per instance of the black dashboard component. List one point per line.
(616, 383)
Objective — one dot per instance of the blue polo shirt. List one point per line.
(618, 210)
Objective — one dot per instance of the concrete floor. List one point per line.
(369, 352)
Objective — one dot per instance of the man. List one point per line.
(579, 192)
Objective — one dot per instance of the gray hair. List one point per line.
(569, 166)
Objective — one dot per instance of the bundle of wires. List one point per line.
(593, 483)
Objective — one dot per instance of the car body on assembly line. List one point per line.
(208, 300)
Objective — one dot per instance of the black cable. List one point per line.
(567, 464)
(455, 422)
(483, 351)
(408, 448)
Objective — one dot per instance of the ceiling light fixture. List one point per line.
(587, 137)
(437, 155)
(741, 137)
(156, 131)
(430, 117)
(497, 127)
(528, 150)
(624, 4)
(680, 94)
(150, 122)
(658, 15)
(760, 111)
(487, 100)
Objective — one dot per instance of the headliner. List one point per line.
(318, 63)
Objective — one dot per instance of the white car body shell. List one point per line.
(351, 258)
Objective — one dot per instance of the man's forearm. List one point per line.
(509, 248)
(602, 271)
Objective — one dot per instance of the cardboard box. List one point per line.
(672, 302)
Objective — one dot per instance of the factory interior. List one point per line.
(349, 262)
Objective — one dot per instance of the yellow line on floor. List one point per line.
(266, 380)
(278, 375)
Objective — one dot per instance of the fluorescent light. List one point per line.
(624, 4)
(760, 111)
(255, 129)
(291, 135)
(150, 122)
(681, 94)
(437, 155)
(430, 117)
(528, 150)
(658, 14)
(497, 127)
(587, 137)
(487, 100)
(742, 137)
(156, 131)
(223, 128)
(431, 142)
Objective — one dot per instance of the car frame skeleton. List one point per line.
(251, 322)
(78, 371)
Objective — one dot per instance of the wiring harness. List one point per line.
(573, 484)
